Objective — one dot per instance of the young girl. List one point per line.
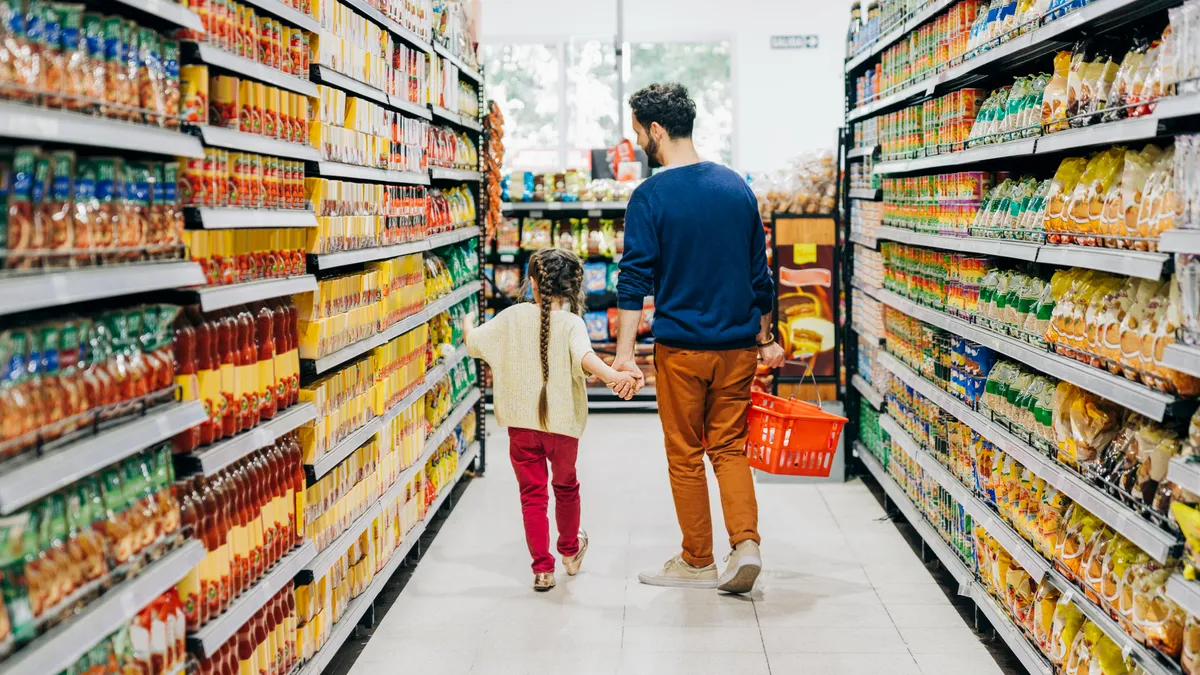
(544, 347)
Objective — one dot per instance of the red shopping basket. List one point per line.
(790, 437)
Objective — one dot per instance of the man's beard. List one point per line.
(652, 154)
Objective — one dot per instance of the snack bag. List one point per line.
(1122, 85)
(1076, 75)
(1190, 659)
(1070, 171)
(1044, 603)
(1054, 100)
(1066, 625)
(1156, 616)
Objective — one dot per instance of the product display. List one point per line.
(169, 470)
(808, 185)
(1016, 371)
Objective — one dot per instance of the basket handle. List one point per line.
(808, 372)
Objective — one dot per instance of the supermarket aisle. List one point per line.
(842, 593)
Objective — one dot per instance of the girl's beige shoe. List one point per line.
(543, 581)
(573, 562)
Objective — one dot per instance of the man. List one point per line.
(695, 242)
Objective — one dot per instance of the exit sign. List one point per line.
(794, 42)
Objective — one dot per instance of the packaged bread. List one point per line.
(1044, 604)
(1066, 625)
(1077, 73)
(1123, 557)
(1166, 331)
(1190, 658)
(1118, 96)
(1156, 616)
(1092, 569)
(1079, 657)
(1020, 591)
(1054, 100)
(1107, 658)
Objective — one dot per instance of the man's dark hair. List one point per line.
(669, 105)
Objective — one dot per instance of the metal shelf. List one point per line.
(62, 646)
(1180, 241)
(343, 449)
(326, 75)
(1029, 655)
(439, 173)
(465, 70)
(1136, 397)
(1184, 358)
(368, 173)
(326, 261)
(167, 10)
(866, 151)
(220, 58)
(448, 115)
(448, 425)
(389, 24)
(212, 459)
(1148, 536)
(1017, 250)
(902, 30)
(1184, 593)
(1021, 550)
(217, 632)
(868, 392)
(31, 123)
(414, 109)
(1143, 264)
(1020, 50)
(233, 139)
(464, 460)
(23, 482)
(863, 240)
(212, 298)
(1185, 474)
(248, 219)
(288, 13)
(564, 206)
(359, 348)
(871, 194)
(35, 291)
(973, 156)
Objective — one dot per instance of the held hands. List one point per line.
(629, 379)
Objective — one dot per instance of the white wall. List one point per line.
(787, 101)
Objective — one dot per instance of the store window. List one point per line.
(560, 101)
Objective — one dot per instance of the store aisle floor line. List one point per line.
(842, 592)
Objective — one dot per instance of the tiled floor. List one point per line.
(843, 592)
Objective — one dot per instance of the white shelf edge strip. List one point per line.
(26, 482)
(1130, 394)
(1185, 593)
(220, 297)
(220, 455)
(1021, 551)
(55, 651)
(233, 139)
(170, 11)
(1147, 535)
(325, 261)
(242, 609)
(332, 169)
(868, 392)
(431, 310)
(1184, 358)
(1180, 241)
(251, 219)
(1186, 475)
(31, 123)
(35, 291)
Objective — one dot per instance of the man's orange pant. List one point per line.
(703, 399)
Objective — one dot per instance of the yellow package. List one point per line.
(1044, 604)
(1190, 660)
(1156, 616)
(1054, 99)
(1107, 654)
(1067, 623)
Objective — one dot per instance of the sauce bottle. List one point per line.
(299, 480)
(294, 351)
(280, 662)
(264, 337)
(231, 419)
(224, 509)
(247, 389)
(256, 531)
(284, 499)
(247, 664)
(282, 380)
(188, 380)
(208, 378)
(188, 587)
(260, 642)
(289, 598)
(210, 573)
(241, 553)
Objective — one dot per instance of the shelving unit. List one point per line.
(219, 58)
(220, 137)
(327, 261)
(989, 68)
(67, 287)
(212, 298)
(210, 460)
(204, 218)
(30, 123)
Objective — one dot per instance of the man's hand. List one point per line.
(624, 385)
(626, 365)
(771, 355)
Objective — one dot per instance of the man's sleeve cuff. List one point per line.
(631, 303)
(766, 305)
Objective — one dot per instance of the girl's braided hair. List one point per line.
(559, 276)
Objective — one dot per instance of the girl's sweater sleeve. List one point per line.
(580, 344)
(485, 339)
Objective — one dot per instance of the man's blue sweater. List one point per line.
(694, 240)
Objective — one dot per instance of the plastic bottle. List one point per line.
(264, 337)
(231, 418)
(208, 375)
(246, 359)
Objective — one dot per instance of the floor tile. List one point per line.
(843, 664)
(956, 664)
(827, 640)
(669, 613)
(924, 616)
(961, 640)
(691, 640)
(693, 664)
(829, 612)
